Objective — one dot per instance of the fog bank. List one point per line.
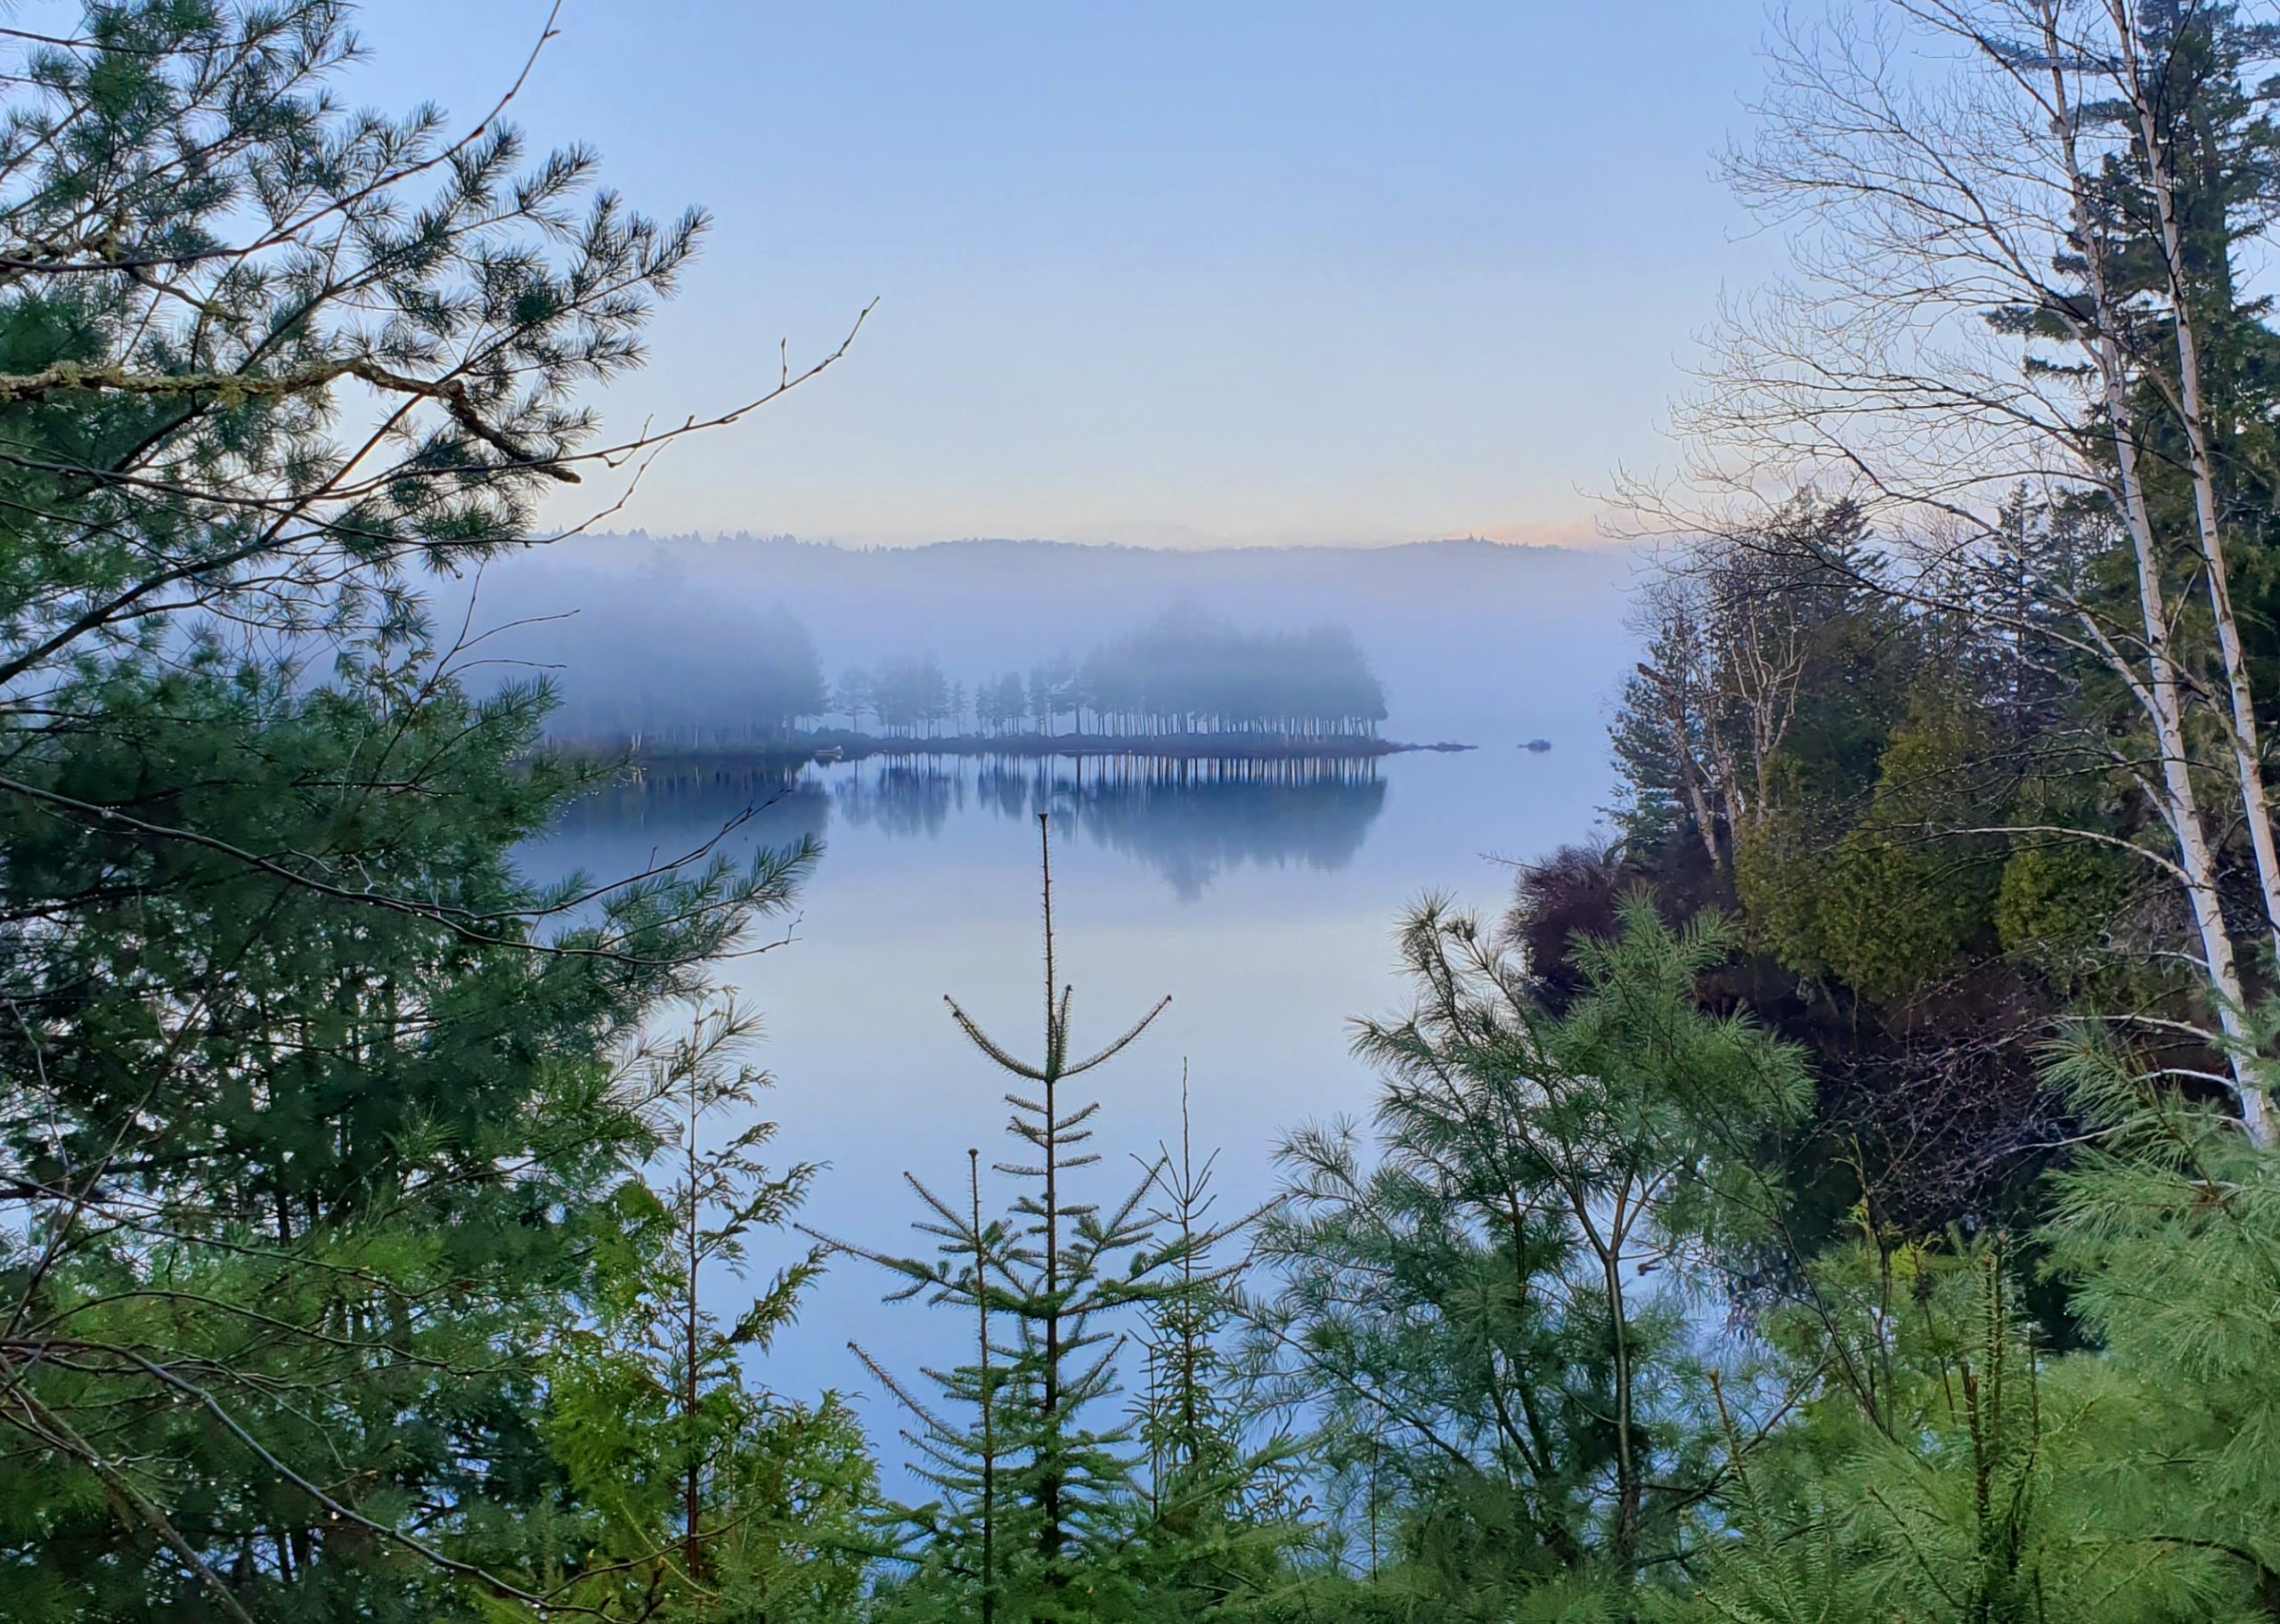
(1487, 643)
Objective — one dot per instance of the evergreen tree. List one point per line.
(1039, 1498)
(1474, 1312)
(1047, 1506)
(1925, 1490)
(693, 1491)
(2168, 1229)
(1226, 1487)
(856, 696)
(311, 1110)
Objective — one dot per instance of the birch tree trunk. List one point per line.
(2160, 694)
(1937, 217)
(2247, 748)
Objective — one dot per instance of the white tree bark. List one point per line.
(1921, 204)
(2248, 751)
(2162, 694)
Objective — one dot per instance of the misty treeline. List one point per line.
(763, 683)
(984, 607)
(1847, 1198)
(1184, 673)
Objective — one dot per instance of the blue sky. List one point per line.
(1174, 273)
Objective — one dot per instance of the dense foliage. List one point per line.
(318, 1128)
(1184, 673)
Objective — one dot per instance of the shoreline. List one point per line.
(857, 747)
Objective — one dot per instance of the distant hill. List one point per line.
(1476, 639)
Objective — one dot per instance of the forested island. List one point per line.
(1846, 1193)
(1185, 684)
(607, 615)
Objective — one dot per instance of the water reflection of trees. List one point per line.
(902, 797)
(689, 805)
(1192, 820)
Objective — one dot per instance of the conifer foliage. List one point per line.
(1036, 1489)
(1493, 1310)
(1052, 1504)
(385, 1237)
(695, 1490)
(313, 1105)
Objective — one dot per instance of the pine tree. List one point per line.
(2168, 1230)
(702, 1493)
(1044, 1511)
(311, 1106)
(1225, 1486)
(1490, 1312)
(1926, 1495)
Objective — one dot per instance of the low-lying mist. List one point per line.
(1472, 640)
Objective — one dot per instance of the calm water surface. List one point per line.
(1262, 899)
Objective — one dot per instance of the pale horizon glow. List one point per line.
(1591, 533)
(1288, 273)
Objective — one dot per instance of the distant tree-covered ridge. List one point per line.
(1850, 1196)
(601, 610)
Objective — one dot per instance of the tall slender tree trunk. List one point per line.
(1629, 1479)
(988, 1404)
(1049, 1483)
(2248, 753)
(2161, 693)
(1689, 770)
(692, 1485)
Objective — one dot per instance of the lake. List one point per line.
(1261, 896)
